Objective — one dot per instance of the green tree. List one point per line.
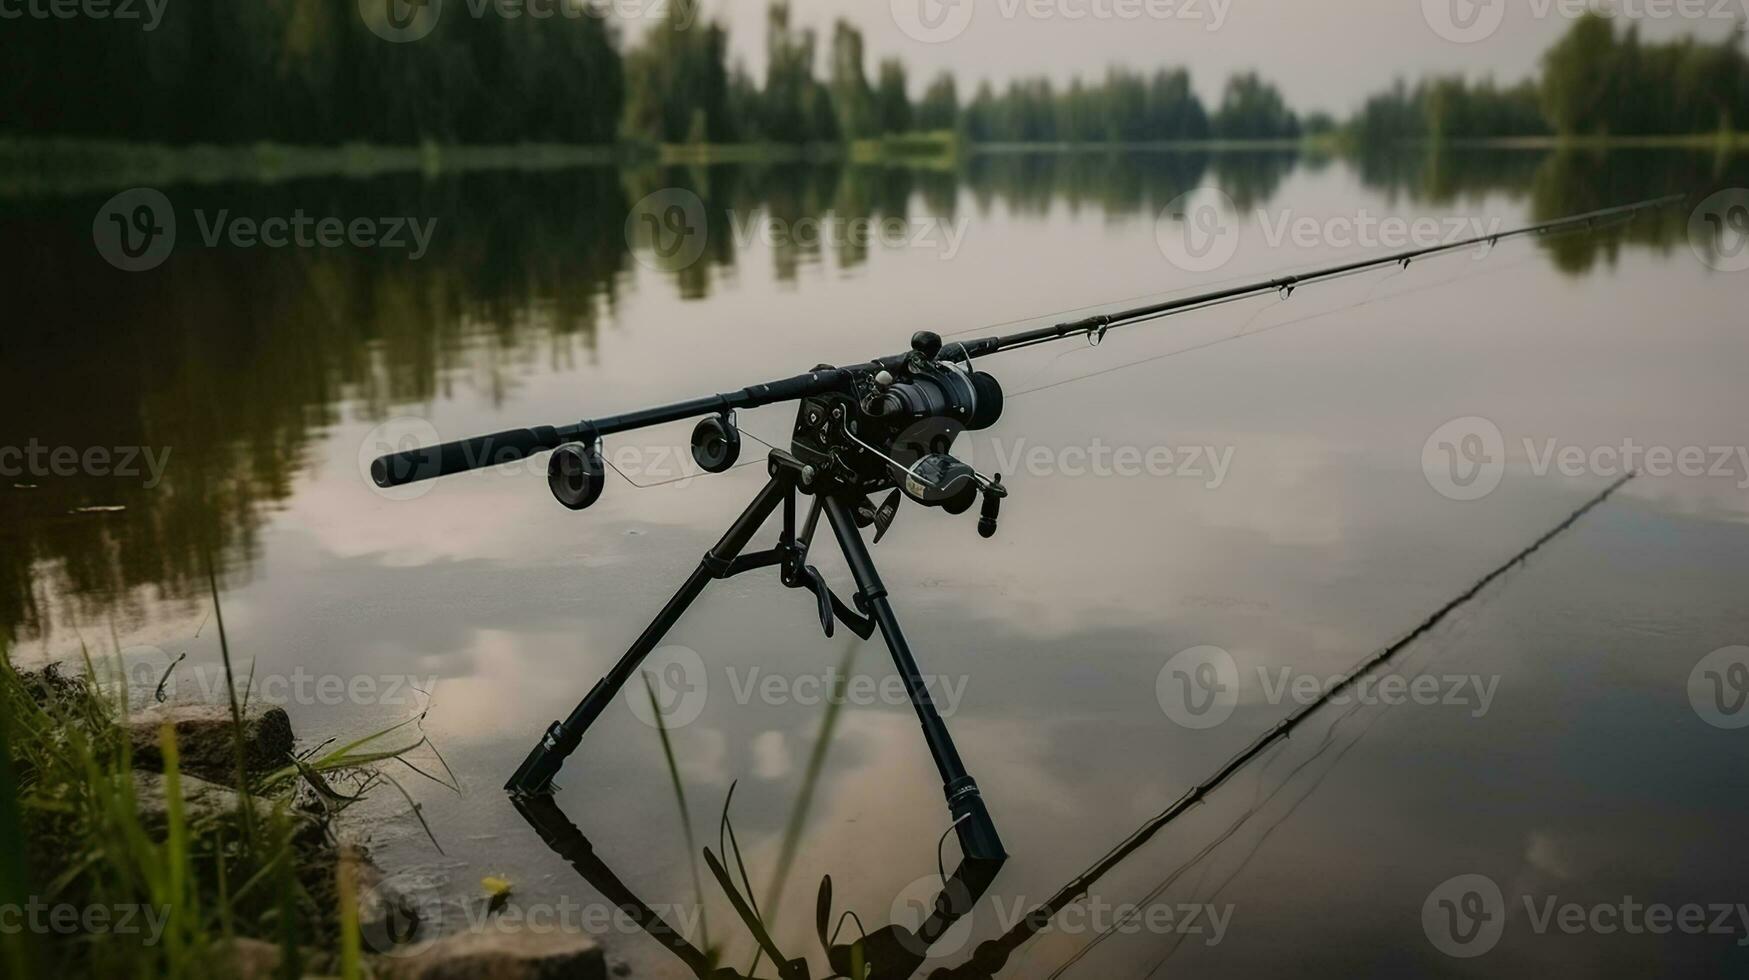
(677, 83)
(1253, 109)
(858, 117)
(892, 98)
(1577, 76)
(940, 106)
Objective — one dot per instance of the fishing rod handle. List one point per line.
(412, 466)
(430, 462)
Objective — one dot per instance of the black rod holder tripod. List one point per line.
(977, 832)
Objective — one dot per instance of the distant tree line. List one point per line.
(312, 71)
(1595, 81)
(681, 89)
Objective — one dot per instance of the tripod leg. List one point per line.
(977, 832)
(536, 773)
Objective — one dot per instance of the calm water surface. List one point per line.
(1563, 759)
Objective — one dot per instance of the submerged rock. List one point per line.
(254, 959)
(521, 955)
(205, 738)
(201, 800)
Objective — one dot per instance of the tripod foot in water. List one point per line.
(976, 831)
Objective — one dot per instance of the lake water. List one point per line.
(1275, 479)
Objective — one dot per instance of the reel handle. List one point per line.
(414, 465)
(993, 495)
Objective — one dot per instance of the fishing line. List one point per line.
(1490, 270)
(1317, 782)
(689, 476)
(1080, 884)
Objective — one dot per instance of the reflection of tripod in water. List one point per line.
(846, 511)
(889, 953)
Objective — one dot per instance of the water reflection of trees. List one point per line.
(1562, 182)
(237, 360)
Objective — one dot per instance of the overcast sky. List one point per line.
(1326, 54)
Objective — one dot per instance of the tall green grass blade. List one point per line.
(704, 927)
(13, 874)
(176, 893)
(351, 955)
(798, 816)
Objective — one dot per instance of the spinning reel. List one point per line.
(884, 427)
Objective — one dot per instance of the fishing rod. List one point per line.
(883, 426)
(1098, 325)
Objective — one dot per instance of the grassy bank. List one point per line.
(65, 166)
(57, 166)
(116, 867)
(1722, 141)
